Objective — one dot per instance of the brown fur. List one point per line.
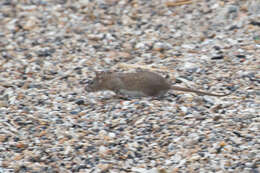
(141, 83)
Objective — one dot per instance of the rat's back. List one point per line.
(138, 84)
(143, 83)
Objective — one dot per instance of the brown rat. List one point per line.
(138, 84)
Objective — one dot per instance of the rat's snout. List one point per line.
(88, 89)
(89, 86)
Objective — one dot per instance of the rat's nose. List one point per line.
(89, 85)
(87, 89)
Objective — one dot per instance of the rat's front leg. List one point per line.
(120, 95)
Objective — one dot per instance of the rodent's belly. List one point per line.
(132, 93)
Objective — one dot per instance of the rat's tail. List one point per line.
(198, 92)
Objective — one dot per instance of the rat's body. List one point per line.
(138, 84)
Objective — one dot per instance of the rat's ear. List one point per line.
(100, 74)
(167, 76)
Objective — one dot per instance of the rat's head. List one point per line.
(99, 82)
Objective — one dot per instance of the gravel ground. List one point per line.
(50, 49)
